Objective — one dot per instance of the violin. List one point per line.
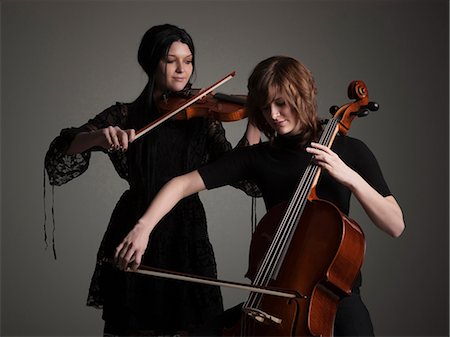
(202, 104)
(219, 106)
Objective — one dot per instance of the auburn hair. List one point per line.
(286, 76)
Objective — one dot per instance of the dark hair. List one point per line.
(154, 46)
(156, 43)
(289, 77)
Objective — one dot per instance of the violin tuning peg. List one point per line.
(333, 109)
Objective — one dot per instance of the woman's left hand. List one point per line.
(383, 211)
(129, 252)
(328, 160)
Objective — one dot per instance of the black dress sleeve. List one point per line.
(61, 167)
(219, 145)
(231, 168)
(368, 167)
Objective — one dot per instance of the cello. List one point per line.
(306, 246)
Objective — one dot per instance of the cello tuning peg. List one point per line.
(373, 106)
(333, 109)
(363, 112)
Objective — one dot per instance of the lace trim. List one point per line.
(53, 217)
(250, 189)
(254, 219)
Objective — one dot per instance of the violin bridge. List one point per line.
(262, 316)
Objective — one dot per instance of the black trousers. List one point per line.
(352, 317)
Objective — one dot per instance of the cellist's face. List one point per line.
(281, 117)
(175, 70)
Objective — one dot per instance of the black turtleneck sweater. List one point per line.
(277, 168)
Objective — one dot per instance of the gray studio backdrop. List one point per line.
(63, 62)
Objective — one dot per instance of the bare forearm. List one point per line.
(384, 212)
(82, 142)
(171, 193)
(133, 246)
(112, 137)
(252, 134)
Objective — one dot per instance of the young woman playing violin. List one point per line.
(282, 104)
(133, 304)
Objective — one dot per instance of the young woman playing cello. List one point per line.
(282, 104)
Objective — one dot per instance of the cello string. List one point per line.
(266, 267)
(278, 245)
(300, 202)
(263, 275)
(292, 206)
(303, 189)
(290, 220)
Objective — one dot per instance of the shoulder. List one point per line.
(115, 114)
(259, 148)
(247, 154)
(352, 150)
(115, 109)
(349, 143)
(119, 109)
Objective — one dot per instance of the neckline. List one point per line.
(288, 141)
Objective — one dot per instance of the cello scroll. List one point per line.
(357, 90)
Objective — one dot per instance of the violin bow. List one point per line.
(190, 101)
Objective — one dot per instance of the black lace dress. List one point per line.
(180, 242)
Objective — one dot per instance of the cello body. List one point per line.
(324, 257)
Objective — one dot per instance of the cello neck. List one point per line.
(277, 249)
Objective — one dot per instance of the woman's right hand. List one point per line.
(111, 138)
(114, 138)
(129, 252)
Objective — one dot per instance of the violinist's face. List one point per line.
(175, 70)
(281, 117)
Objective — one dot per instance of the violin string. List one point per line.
(289, 222)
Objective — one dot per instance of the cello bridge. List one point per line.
(262, 316)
